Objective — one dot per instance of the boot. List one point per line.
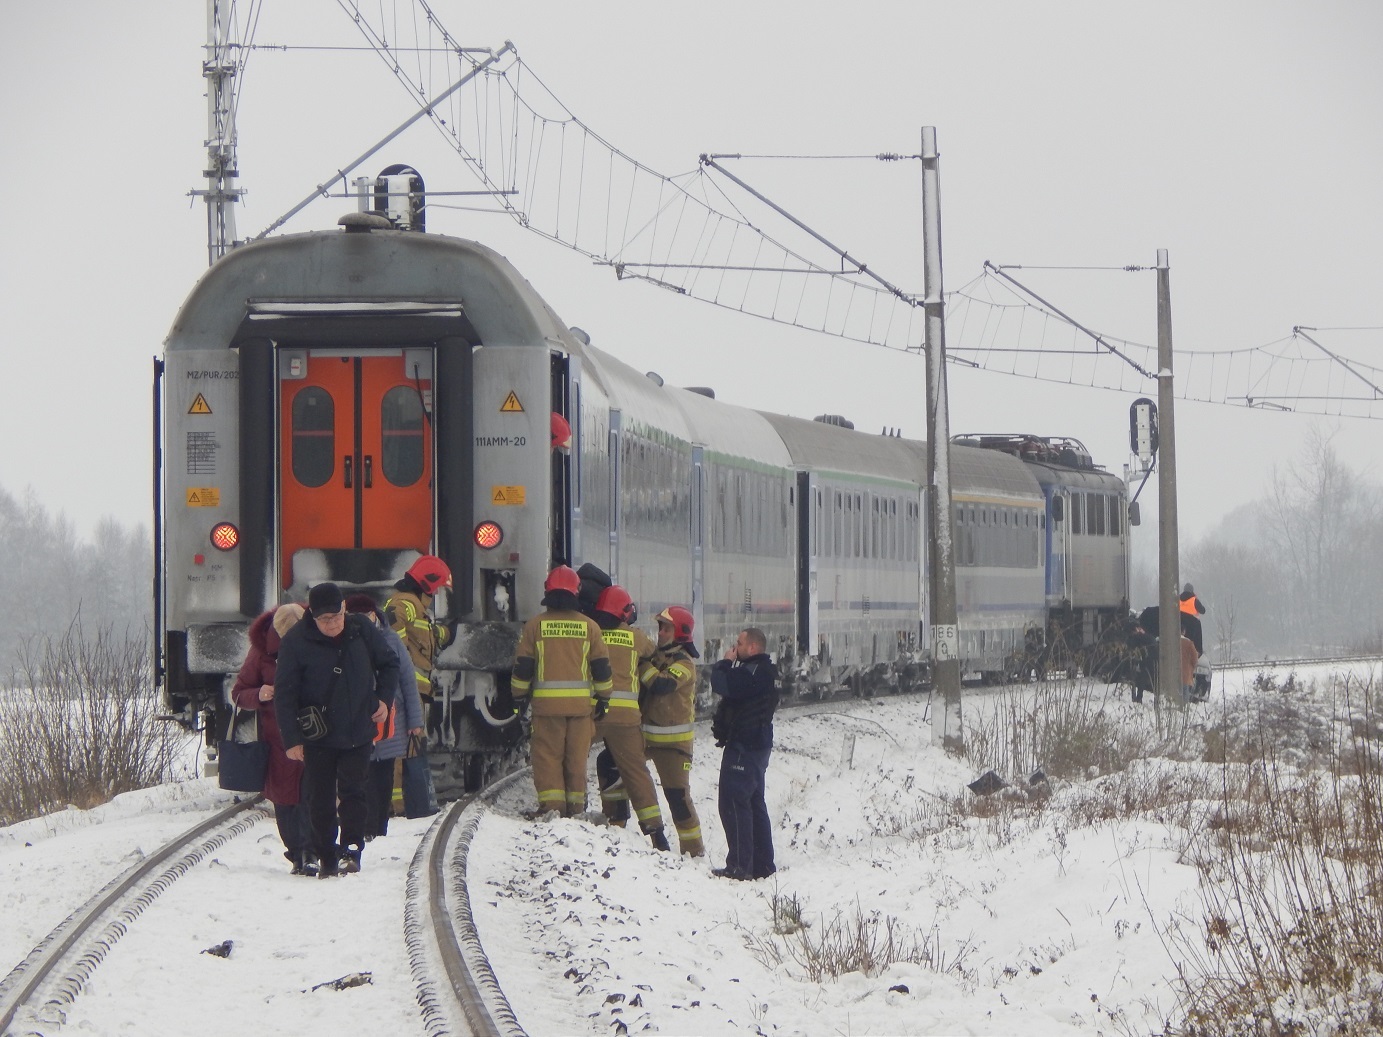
(659, 839)
(305, 864)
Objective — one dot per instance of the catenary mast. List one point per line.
(219, 68)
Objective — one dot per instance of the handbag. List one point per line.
(419, 796)
(312, 722)
(242, 763)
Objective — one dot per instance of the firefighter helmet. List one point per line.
(563, 578)
(615, 601)
(561, 433)
(430, 573)
(681, 622)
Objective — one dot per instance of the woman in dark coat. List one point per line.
(254, 689)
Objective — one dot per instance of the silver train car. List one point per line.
(331, 405)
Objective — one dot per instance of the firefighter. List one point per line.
(621, 767)
(409, 614)
(562, 665)
(669, 702)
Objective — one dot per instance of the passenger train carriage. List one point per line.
(331, 405)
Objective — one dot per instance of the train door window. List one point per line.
(1077, 513)
(1097, 513)
(314, 442)
(401, 426)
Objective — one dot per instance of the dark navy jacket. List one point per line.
(749, 695)
(369, 675)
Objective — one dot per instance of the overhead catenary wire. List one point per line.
(558, 178)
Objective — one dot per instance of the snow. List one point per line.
(1043, 921)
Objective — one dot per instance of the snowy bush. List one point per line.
(79, 717)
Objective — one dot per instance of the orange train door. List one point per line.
(356, 446)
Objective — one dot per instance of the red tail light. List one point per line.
(488, 535)
(225, 536)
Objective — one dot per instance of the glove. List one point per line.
(602, 706)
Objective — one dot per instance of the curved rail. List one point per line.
(438, 924)
(25, 979)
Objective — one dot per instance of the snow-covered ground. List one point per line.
(1028, 922)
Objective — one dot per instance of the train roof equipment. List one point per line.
(1061, 451)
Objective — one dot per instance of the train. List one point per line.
(331, 405)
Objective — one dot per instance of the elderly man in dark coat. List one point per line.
(344, 665)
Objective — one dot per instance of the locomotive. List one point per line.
(332, 405)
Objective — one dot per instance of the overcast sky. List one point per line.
(1241, 137)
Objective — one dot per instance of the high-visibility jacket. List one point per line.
(629, 649)
(563, 663)
(1192, 605)
(669, 697)
(409, 616)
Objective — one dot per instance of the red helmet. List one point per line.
(615, 601)
(561, 432)
(430, 573)
(563, 578)
(680, 620)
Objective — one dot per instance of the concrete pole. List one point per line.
(946, 721)
(1169, 622)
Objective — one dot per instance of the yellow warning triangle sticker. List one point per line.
(497, 495)
(511, 404)
(199, 406)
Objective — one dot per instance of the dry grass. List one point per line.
(863, 942)
(79, 721)
(1290, 934)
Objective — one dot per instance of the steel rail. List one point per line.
(1322, 660)
(438, 924)
(26, 978)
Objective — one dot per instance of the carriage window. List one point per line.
(314, 446)
(1077, 513)
(1114, 518)
(401, 423)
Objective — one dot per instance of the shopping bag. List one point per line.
(419, 797)
(242, 764)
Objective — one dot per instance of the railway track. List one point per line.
(1278, 664)
(454, 986)
(438, 926)
(39, 990)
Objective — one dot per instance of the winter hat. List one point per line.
(286, 616)
(1188, 589)
(361, 603)
(325, 599)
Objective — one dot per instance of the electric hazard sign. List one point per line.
(505, 495)
(511, 404)
(204, 497)
(199, 406)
